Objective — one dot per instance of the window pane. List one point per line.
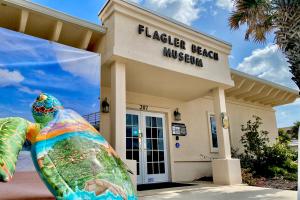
(148, 132)
(148, 121)
(149, 144)
(135, 131)
(160, 144)
(160, 133)
(128, 119)
(138, 168)
(129, 155)
(162, 168)
(149, 156)
(161, 156)
(156, 166)
(136, 156)
(213, 127)
(154, 122)
(128, 131)
(215, 140)
(128, 143)
(155, 156)
(154, 132)
(135, 120)
(154, 144)
(149, 168)
(159, 122)
(135, 143)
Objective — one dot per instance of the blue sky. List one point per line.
(30, 65)
(209, 16)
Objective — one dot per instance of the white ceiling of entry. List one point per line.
(160, 82)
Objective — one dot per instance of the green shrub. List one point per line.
(277, 160)
(283, 137)
(247, 177)
(294, 130)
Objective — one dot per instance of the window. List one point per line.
(213, 132)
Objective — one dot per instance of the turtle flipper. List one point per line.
(12, 137)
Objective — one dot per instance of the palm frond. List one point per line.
(256, 15)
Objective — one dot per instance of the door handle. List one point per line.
(140, 141)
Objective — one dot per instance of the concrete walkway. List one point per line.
(204, 191)
(28, 186)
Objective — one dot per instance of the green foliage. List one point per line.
(263, 159)
(261, 17)
(74, 161)
(254, 141)
(294, 130)
(247, 177)
(283, 137)
(12, 137)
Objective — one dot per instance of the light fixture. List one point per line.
(105, 105)
(177, 115)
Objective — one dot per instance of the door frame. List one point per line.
(144, 177)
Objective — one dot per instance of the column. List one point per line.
(223, 134)
(118, 108)
(226, 171)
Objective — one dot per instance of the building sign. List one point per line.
(176, 47)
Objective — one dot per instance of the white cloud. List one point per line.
(214, 12)
(225, 4)
(286, 115)
(10, 77)
(185, 11)
(28, 90)
(268, 63)
(30, 52)
(79, 63)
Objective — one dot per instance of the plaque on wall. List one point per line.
(179, 129)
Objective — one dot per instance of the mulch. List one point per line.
(277, 183)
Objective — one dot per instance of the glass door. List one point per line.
(146, 143)
(134, 141)
(155, 153)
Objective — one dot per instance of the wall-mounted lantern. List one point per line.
(177, 115)
(105, 106)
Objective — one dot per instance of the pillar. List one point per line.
(223, 134)
(118, 108)
(226, 171)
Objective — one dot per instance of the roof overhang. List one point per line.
(42, 22)
(255, 90)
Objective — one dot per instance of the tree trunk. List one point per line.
(287, 20)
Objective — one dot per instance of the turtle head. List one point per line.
(44, 108)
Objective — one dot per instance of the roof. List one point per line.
(56, 14)
(39, 21)
(252, 89)
(234, 71)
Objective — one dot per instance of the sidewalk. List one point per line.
(213, 192)
(28, 186)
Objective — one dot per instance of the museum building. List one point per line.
(175, 105)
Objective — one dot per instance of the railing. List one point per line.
(93, 119)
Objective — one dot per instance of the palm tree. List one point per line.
(265, 16)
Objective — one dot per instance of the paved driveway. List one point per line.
(205, 191)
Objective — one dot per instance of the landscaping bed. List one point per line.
(276, 183)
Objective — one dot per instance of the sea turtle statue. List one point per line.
(72, 158)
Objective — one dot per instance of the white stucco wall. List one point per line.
(192, 160)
